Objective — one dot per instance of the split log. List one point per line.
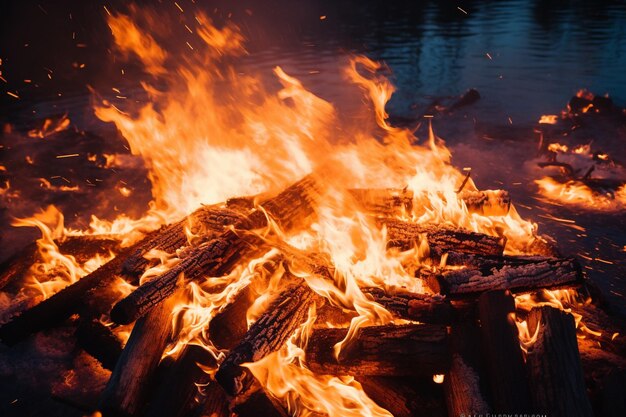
(502, 353)
(98, 340)
(411, 306)
(268, 334)
(126, 392)
(470, 282)
(293, 206)
(390, 350)
(82, 248)
(465, 383)
(206, 222)
(405, 235)
(553, 361)
(405, 396)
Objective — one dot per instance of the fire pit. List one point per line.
(293, 259)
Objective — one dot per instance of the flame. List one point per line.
(578, 193)
(203, 142)
(550, 119)
(55, 270)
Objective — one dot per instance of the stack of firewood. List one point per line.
(465, 329)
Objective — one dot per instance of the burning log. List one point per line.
(268, 334)
(384, 202)
(487, 203)
(98, 340)
(219, 256)
(226, 329)
(131, 380)
(208, 222)
(405, 235)
(390, 350)
(543, 273)
(259, 403)
(61, 305)
(82, 248)
(419, 307)
(464, 383)
(503, 354)
(215, 402)
(553, 361)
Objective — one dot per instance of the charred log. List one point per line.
(413, 349)
(291, 207)
(268, 334)
(503, 355)
(405, 396)
(544, 273)
(98, 340)
(553, 361)
(411, 306)
(465, 382)
(405, 235)
(207, 222)
(82, 248)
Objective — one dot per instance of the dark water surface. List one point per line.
(526, 58)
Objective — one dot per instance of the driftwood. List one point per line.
(98, 340)
(413, 349)
(419, 307)
(465, 383)
(132, 378)
(291, 207)
(206, 222)
(502, 353)
(82, 248)
(405, 235)
(470, 282)
(553, 361)
(268, 334)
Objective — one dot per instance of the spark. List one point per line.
(323, 17)
(179, 8)
(107, 10)
(489, 56)
(461, 10)
(70, 155)
(13, 94)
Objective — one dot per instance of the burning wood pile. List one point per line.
(336, 295)
(468, 303)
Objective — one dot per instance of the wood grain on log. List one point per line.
(390, 350)
(268, 334)
(132, 378)
(405, 235)
(411, 306)
(207, 222)
(556, 377)
(384, 202)
(292, 207)
(544, 273)
(465, 383)
(502, 353)
(487, 202)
